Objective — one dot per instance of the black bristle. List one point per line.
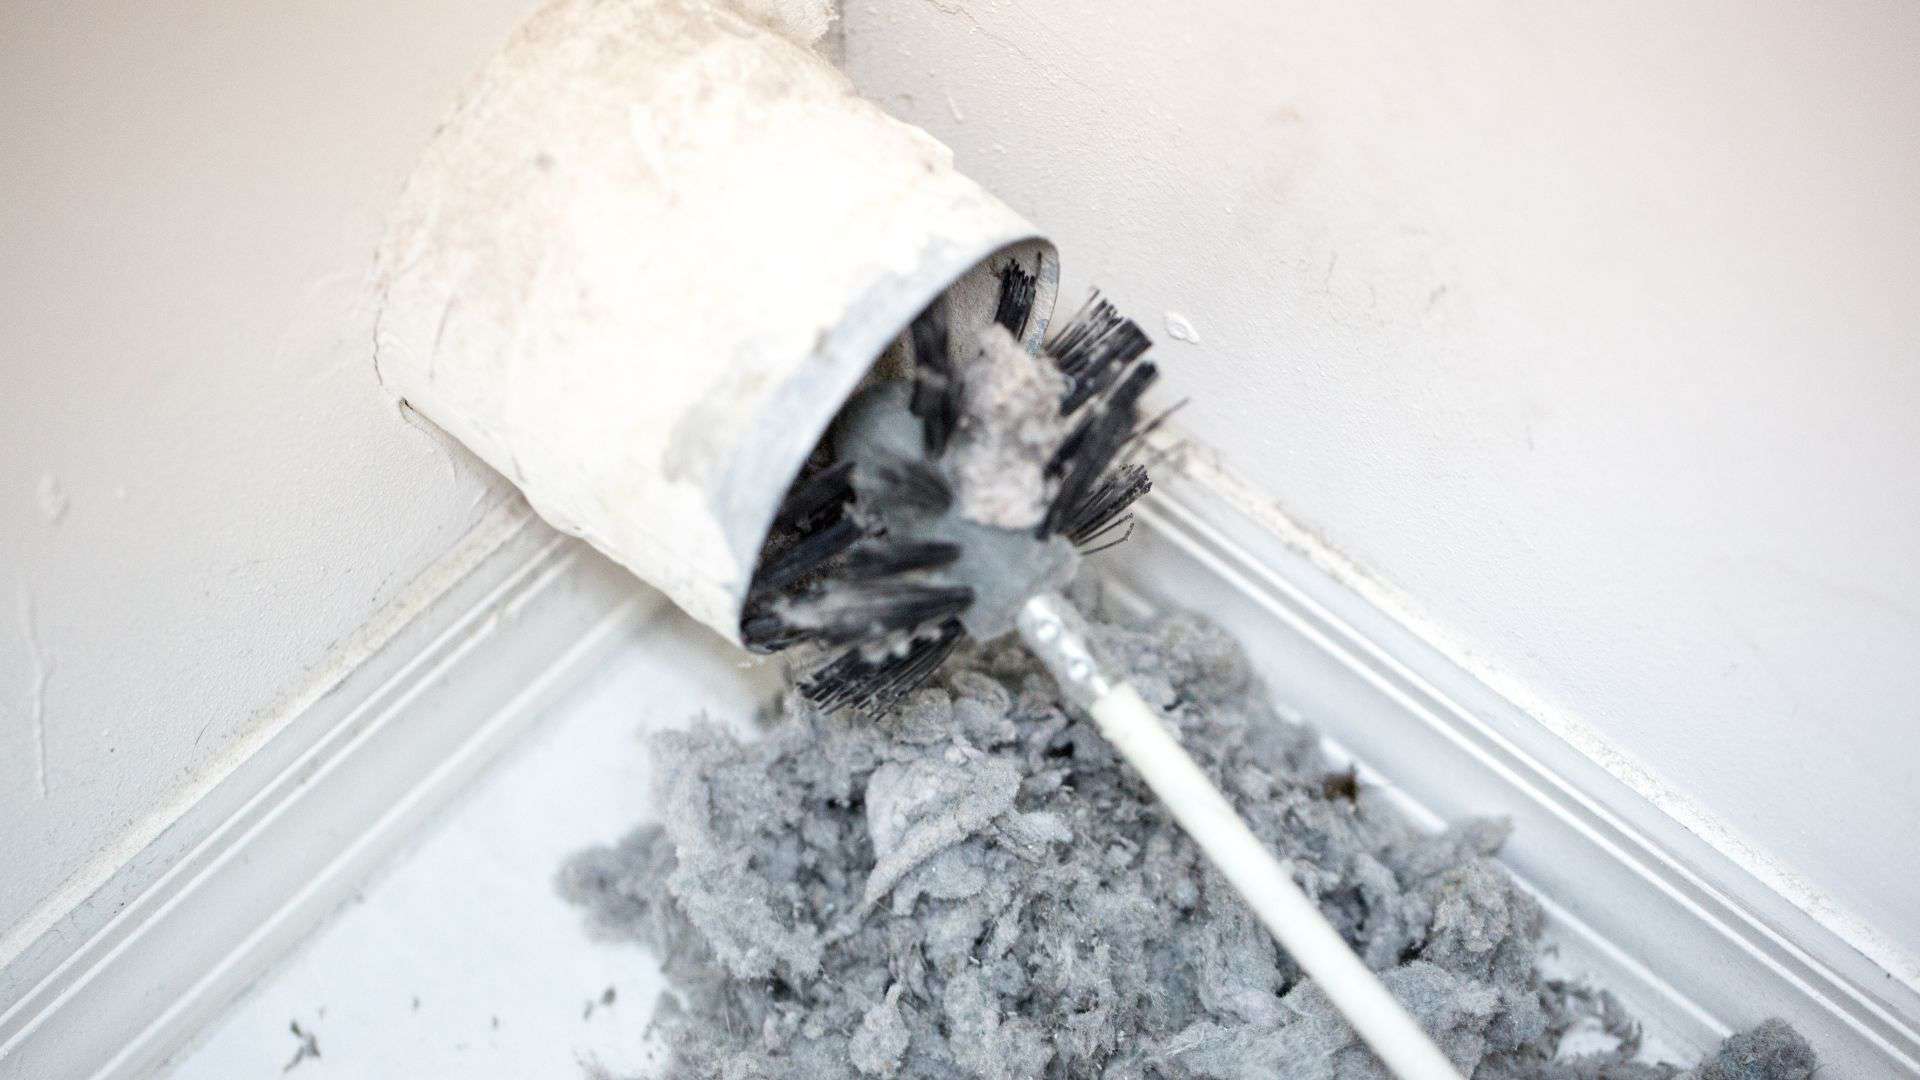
(824, 490)
(803, 558)
(882, 558)
(905, 485)
(1107, 429)
(764, 631)
(1017, 288)
(872, 610)
(1102, 506)
(1114, 543)
(922, 658)
(1094, 347)
(838, 682)
(851, 567)
(1124, 522)
(936, 384)
(1069, 447)
(1110, 356)
(1153, 425)
(855, 680)
(1066, 340)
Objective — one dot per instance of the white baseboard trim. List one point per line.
(1688, 939)
(165, 945)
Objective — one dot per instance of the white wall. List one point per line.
(1592, 330)
(202, 490)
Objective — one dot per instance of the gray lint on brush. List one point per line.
(1010, 426)
(1003, 567)
(973, 885)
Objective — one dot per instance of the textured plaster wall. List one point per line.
(202, 489)
(1592, 331)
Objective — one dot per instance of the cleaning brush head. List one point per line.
(939, 504)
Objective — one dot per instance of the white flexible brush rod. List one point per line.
(1051, 629)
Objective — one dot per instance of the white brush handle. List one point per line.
(1051, 628)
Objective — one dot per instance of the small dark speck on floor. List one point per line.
(607, 997)
(309, 1046)
(1341, 785)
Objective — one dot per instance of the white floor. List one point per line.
(461, 960)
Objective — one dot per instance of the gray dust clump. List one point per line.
(1010, 426)
(973, 885)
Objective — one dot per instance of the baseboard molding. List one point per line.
(1686, 937)
(257, 862)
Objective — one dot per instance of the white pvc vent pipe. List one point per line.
(651, 255)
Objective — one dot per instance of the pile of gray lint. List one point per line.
(974, 886)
